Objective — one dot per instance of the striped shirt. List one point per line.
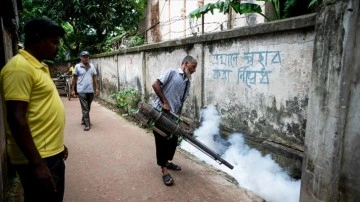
(173, 85)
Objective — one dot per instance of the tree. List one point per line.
(89, 24)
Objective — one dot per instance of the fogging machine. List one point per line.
(165, 123)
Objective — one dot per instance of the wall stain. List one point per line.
(155, 21)
(108, 86)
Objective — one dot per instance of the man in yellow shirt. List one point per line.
(71, 72)
(35, 114)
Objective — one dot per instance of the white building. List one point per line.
(169, 19)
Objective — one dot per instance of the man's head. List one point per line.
(84, 56)
(42, 38)
(189, 65)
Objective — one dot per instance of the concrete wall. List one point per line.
(8, 44)
(332, 144)
(258, 77)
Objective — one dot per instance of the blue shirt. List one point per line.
(173, 85)
(85, 83)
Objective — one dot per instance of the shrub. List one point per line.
(127, 99)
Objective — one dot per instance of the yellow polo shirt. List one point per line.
(24, 78)
(71, 69)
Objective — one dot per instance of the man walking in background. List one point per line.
(85, 80)
(35, 114)
(171, 88)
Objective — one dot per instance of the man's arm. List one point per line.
(69, 72)
(20, 130)
(159, 92)
(96, 85)
(73, 83)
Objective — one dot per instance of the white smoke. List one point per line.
(252, 170)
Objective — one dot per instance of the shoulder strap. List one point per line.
(183, 97)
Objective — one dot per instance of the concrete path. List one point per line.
(115, 161)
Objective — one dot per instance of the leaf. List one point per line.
(312, 3)
(247, 8)
(224, 7)
(205, 9)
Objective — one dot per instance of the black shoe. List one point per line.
(168, 180)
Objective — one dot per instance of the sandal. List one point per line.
(167, 179)
(172, 166)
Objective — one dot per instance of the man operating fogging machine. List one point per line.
(171, 88)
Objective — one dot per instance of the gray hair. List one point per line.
(188, 58)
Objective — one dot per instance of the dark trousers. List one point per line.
(165, 148)
(35, 193)
(85, 102)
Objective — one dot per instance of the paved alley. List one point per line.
(115, 161)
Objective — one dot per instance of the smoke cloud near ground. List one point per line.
(253, 171)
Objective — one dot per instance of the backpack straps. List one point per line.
(183, 97)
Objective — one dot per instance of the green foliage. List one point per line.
(89, 23)
(289, 4)
(314, 3)
(137, 40)
(293, 8)
(282, 8)
(127, 99)
(224, 7)
(129, 38)
(276, 6)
